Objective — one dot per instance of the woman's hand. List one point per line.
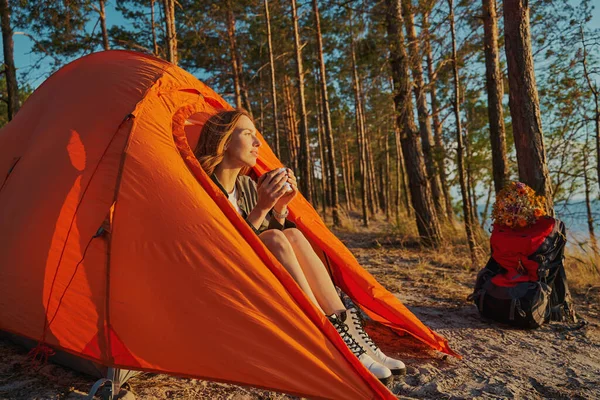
(271, 188)
(281, 204)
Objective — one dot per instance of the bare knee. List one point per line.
(294, 236)
(275, 240)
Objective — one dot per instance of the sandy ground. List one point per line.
(557, 361)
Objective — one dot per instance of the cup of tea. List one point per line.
(287, 184)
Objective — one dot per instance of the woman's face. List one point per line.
(243, 147)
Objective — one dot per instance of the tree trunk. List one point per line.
(290, 117)
(235, 68)
(346, 179)
(360, 136)
(333, 181)
(388, 178)
(371, 181)
(153, 27)
(588, 207)
(314, 187)
(402, 187)
(471, 185)
(426, 219)
(459, 143)
(171, 39)
(304, 156)
(594, 89)
(322, 146)
(273, 85)
(351, 181)
(422, 111)
(524, 102)
(324, 180)
(10, 71)
(365, 144)
(484, 216)
(241, 90)
(261, 105)
(374, 192)
(102, 13)
(469, 172)
(439, 151)
(381, 187)
(495, 92)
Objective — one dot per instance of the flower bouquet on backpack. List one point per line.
(524, 282)
(517, 206)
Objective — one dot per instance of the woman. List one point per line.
(228, 147)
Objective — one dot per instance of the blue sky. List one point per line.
(24, 58)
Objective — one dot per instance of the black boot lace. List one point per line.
(342, 329)
(358, 324)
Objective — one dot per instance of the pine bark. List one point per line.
(346, 179)
(290, 118)
(350, 173)
(588, 206)
(439, 151)
(171, 39)
(102, 13)
(426, 219)
(524, 102)
(471, 185)
(495, 93)
(304, 156)
(324, 173)
(360, 136)
(273, 85)
(487, 206)
(235, 68)
(422, 109)
(10, 71)
(330, 154)
(369, 177)
(594, 89)
(371, 181)
(153, 27)
(388, 177)
(402, 187)
(261, 103)
(459, 143)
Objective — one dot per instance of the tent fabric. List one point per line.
(116, 247)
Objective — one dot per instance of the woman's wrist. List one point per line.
(257, 216)
(280, 209)
(280, 214)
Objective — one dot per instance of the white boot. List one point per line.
(354, 322)
(381, 372)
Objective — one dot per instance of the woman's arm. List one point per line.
(256, 217)
(269, 190)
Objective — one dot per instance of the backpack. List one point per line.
(524, 282)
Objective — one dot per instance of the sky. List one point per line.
(24, 58)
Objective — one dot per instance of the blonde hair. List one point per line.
(214, 138)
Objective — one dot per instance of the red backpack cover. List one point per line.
(512, 247)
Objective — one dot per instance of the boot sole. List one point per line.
(398, 372)
(387, 380)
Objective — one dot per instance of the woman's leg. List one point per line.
(281, 248)
(311, 271)
(316, 273)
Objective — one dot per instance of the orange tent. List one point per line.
(116, 247)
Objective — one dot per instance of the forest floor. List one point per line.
(557, 361)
